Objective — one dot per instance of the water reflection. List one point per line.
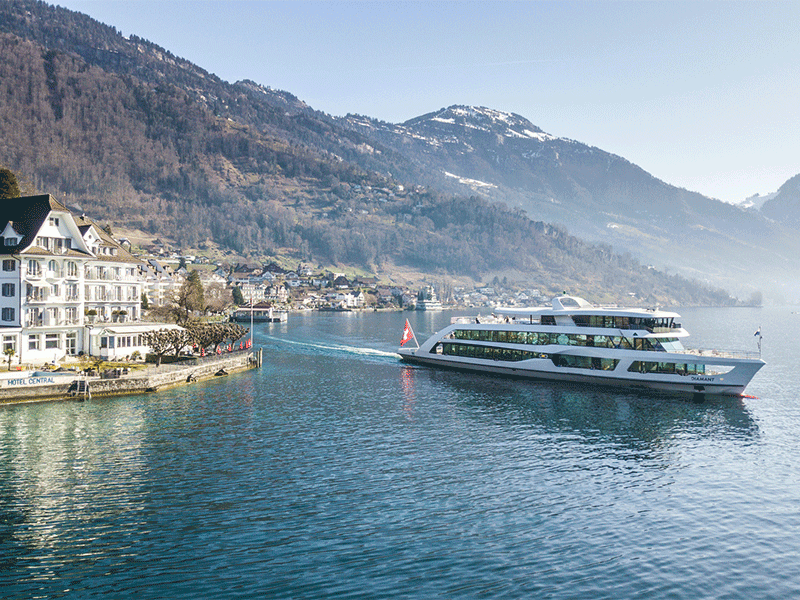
(59, 496)
(409, 391)
(635, 420)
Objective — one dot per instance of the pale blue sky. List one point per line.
(704, 95)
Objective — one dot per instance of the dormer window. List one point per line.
(53, 221)
(11, 241)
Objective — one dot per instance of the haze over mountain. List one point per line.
(785, 204)
(138, 136)
(598, 195)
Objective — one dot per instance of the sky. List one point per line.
(704, 95)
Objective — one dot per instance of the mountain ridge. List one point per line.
(168, 146)
(600, 196)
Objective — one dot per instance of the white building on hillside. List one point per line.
(162, 282)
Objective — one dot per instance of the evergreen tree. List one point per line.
(191, 297)
(9, 187)
(238, 297)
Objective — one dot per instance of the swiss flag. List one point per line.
(408, 335)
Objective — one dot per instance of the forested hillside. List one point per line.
(133, 135)
(599, 195)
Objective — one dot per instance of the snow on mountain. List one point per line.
(756, 201)
(457, 119)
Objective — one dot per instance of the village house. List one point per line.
(276, 294)
(292, 279)
(162, 282)
(67, 286)
(252, 291)
(346, 299)
(341, 282)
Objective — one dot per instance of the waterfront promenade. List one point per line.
(150, 379)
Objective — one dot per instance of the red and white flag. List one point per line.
(408, 335)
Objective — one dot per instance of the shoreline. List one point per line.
(160, 378)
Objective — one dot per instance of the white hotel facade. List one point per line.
(66, 286)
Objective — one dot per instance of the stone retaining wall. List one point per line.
(154, 380)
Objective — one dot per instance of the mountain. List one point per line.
(756, 201)
(599, 196)
(138, 136)
(785, 204)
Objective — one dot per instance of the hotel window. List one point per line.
(8, 314)
(52, 265)
(51, 341)
(9, 343)
(34, 317)
(9, 265)
(34, 268)
(53, 221)
(72, 269)
(33, 342)
(9, 289)
(71, 343)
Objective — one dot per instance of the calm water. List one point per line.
(335, 471)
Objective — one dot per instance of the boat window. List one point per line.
(485, 352)
(580, 340)
(584, 362)
(669, 368)
(534, 338)
(670, 344)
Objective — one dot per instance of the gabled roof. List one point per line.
(122, 255)
(27, 215)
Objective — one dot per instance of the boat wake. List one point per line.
(338, 348)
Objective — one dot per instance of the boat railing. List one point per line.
(722, 353)
(482, 320)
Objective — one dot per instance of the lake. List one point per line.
(335, 471)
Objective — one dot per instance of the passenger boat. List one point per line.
(427, 300)
(574, 341)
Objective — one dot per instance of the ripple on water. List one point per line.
(334, 472)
